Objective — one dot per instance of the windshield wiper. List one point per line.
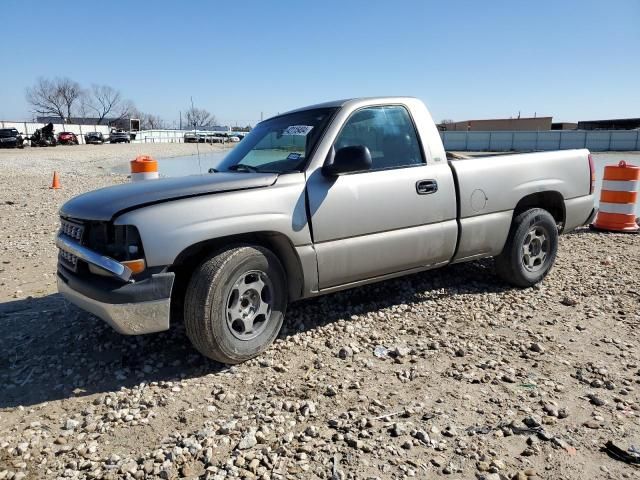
(242, 167)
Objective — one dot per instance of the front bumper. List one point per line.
(10, 143)
(130, 309)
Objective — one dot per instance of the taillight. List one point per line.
(592, 171)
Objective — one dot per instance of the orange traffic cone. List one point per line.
(55, 184)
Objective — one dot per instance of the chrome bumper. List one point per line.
(108, 264)
(126, 318)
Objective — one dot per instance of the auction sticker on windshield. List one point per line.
(300, 130)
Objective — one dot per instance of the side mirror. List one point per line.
(356, 158)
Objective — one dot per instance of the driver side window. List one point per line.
(387, 132)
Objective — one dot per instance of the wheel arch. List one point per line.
(551, 201)
(278, 243)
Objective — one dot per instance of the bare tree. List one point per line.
(105, 101)
(154, 121)
(148, 121)
(197, 117)
(443, 125)
(56, 97)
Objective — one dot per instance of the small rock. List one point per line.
(72, 424)
(129, 466)
(532, 422)
(248, 441)
(450, 431)
(398, 429)
(402, 351)
(345, 352)
(536, 347)
(592, 424)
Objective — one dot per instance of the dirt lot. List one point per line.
(445, 374)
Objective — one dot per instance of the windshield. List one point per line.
(8, 132)
(281, 144)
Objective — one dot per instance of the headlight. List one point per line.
(120, 242)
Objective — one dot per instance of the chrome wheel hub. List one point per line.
(535, 249)
(249, 305)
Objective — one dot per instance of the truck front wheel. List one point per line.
(530, 250)
(235, 303)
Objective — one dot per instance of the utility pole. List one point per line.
(261, 115)
(180, 119)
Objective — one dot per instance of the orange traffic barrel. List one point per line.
(618, 198)
(143, 168)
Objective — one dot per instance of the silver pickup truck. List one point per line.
(312, 201)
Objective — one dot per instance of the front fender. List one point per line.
(168, 228)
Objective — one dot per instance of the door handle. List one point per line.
(425, 187)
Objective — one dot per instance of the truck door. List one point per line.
(398, 216)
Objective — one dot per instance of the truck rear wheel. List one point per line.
(530, 250)
(235, 303)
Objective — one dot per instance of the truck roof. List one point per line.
(343, 102)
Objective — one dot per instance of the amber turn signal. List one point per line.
(136, 266)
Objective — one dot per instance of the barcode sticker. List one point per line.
(300, 130)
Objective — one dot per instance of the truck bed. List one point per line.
(488, 189)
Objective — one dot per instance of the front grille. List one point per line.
(69, 260)
(72, 229)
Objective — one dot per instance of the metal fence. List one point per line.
(518, 141)
(143, 136)
(29, 128)
(177, 136)
(161, 136)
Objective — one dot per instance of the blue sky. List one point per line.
(467, 59)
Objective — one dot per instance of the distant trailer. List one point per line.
(615, 124)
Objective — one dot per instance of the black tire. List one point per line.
(526, 258)
(214, 291)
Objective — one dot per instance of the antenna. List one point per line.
(196, 135)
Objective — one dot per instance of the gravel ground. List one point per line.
(445, 374)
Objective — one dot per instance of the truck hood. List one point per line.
(106, 203)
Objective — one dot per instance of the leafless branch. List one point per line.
(56, 97)
(105, 101)
(197, 117)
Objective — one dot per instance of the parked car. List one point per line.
(191, 138)
(119, 136)
(11, 138)
(67, 138)
(312, 201)
(94, 137)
